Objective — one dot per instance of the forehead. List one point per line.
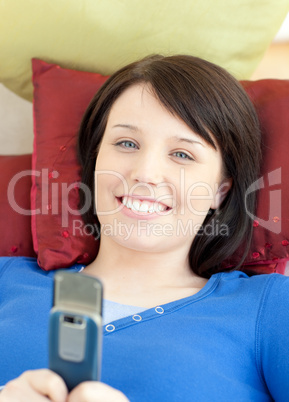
(135, 95)
(138, 107)
(140, 104)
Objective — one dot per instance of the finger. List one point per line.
(94, 391)
(47, 383)
(20, 391)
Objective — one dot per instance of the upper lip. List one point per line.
(145, 198)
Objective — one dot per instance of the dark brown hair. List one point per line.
(213, 104)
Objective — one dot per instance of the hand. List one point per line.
(93, 391)
(43, 385)
(35, 386)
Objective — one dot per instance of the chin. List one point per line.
(142, 244)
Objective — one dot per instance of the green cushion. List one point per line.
(101, 36)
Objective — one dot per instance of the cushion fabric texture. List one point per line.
(60, 99)
(15, 215)
(102, 36)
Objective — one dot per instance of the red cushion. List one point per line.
(271, 223)
(60, 99)
(15, 219)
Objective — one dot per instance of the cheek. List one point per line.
(196, 196)
(105, 182)
(103, 161)
(109, 184)
(110, 171)
(200, 196)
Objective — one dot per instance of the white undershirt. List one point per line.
(114, 311)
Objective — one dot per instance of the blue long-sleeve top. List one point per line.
(228, 342)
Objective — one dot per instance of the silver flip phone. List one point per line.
(75, 328)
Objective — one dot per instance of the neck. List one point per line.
(143, 278)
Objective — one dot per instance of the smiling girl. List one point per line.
(168, 148)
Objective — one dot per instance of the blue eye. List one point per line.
(126, 144)
(182, 155)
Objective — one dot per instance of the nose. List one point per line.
(148, 168)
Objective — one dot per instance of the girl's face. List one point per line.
(155, 178)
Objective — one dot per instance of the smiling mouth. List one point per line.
(143, 206)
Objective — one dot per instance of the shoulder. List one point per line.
(266, 296)
(261, 291)
(237, 280)
(22, 269)
(274, 306)
(14, 267)
(274, 289)
(25, 270)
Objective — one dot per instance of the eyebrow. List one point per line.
(129, 126)
(190, 141)
(175, 138)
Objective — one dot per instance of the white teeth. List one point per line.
(142, 206)
(136, 206)
(161, 208)
(151, 209)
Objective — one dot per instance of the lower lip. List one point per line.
(141, 215)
